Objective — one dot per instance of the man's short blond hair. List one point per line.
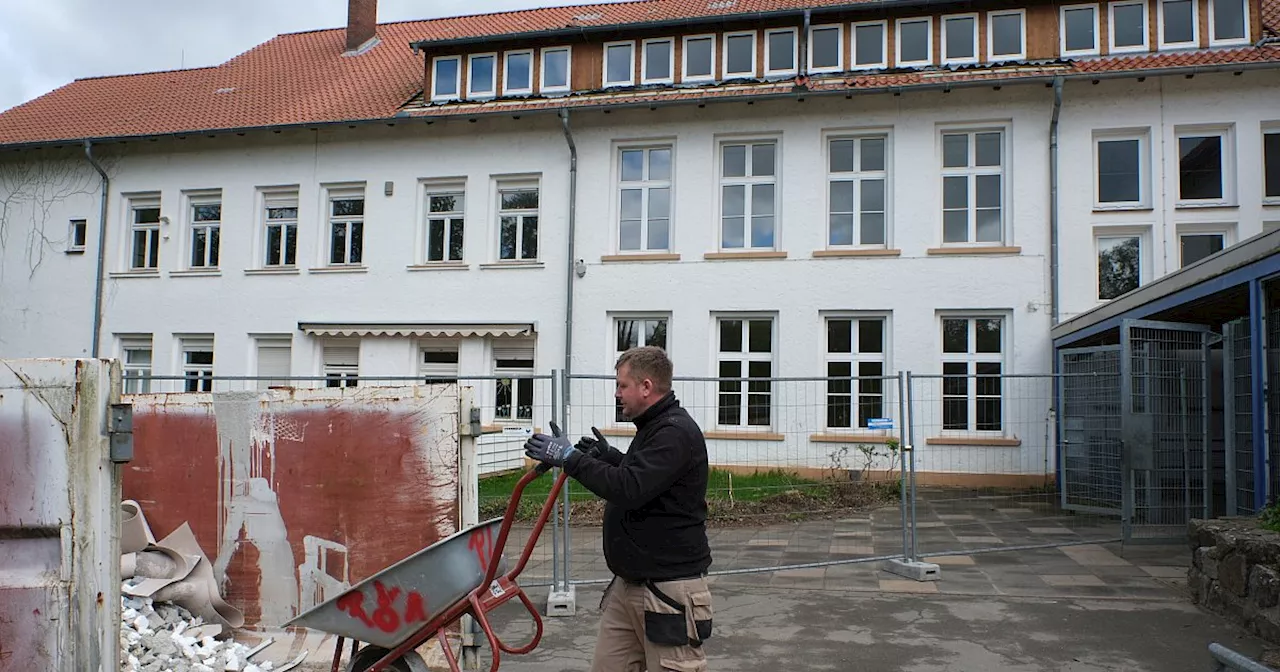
(648, 361)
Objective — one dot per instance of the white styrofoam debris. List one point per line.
(153, 638)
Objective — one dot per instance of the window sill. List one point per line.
(618, 431)
(745, 255)
(196, 273)
(851, 438)
(440, 266)
(79, 250)
(1099, 209)
(339, 269)
(994, 442)
(868, 252)
(639, 256)
(513, 264)
(962, 251)
(1270, 201)
(1193, 205)
(744, 436)
(150, 273)
(283, 270)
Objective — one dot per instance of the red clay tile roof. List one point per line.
(304, 78)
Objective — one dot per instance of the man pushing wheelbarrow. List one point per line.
(657, 609)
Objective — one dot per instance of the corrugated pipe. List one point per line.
(99, 280)
(1053, 200)
(572, 262)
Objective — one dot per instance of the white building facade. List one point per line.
(805, 235)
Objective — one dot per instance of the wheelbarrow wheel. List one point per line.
(366, 657)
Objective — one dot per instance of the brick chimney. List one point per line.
(362, 22)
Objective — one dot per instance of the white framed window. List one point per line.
(857, 191)
(644, 198)
(274, 361)
(870, 45)
(135, 356)
(1121, 261)
(1197, 241)
(446, 78)
(960, 38)
(619, 63)
(744, 358)
(205, 232)
(340, 363)
(517, 72)
(1079, 30)
(973, 186)
(826, 48)
(1206, 166)
(77, 234)
(1228, 22)
(144, 234)
(280, 229)
(633, 331)
(780, 47)
(856, 363)
(438, 360)
(197, 362)
(914, 42)
(1122, 169)
(739, 55)
(1271, 166)
(1179, 24)
(513, 390)
(658, 61)
(972, 367)
(346, 227)
(699, 58)
(1007, 35)
(482, 75)
(1127, 26)
(748, 194)
(518, 220)
(557, 69)
(446, 214)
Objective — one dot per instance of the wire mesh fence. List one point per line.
(985, 447)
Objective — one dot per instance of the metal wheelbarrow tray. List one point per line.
(401, 607)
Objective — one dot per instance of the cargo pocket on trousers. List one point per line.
(673, 665)
(700, 612)
(665, 622)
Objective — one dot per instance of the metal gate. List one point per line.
(1089, 459)
(1237, 379)
(1165, 406)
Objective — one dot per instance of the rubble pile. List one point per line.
(162, 637)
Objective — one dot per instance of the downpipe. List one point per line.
(565, 386)
(99, 280)
(1053, 201)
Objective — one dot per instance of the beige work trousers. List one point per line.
(623, 644)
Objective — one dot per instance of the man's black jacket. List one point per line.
(655, 516)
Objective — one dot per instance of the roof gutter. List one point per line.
(99, 279)
(585, 30)
(928, 86)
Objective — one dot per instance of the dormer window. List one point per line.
(780, 52)
(699, 58)
(1128, 26)
(870, 43)
(826, 48)
(1080, 30)
(517, 74)
(960, 38)
(480, 75)
(1007, 35)
(659, 61)
(446, 78)
(1178, 24)
(555, 70)
(915, 44)
(619, 64)
(1228, 22)
(739, 55)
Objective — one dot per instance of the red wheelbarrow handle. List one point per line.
(494, 591)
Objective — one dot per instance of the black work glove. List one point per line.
(595, 447)
(553, 450)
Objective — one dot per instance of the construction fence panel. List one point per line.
(1238, 402)
(800, 474)
(1091, 429)
(1272, 385)
(985, 449)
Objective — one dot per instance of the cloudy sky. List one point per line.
(45, 44)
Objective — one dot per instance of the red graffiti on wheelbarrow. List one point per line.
(385, 617)
(481, 543)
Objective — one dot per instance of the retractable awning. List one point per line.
(432, 329)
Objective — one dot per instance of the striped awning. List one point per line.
(419, 329)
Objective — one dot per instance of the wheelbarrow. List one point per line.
(388, 615)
